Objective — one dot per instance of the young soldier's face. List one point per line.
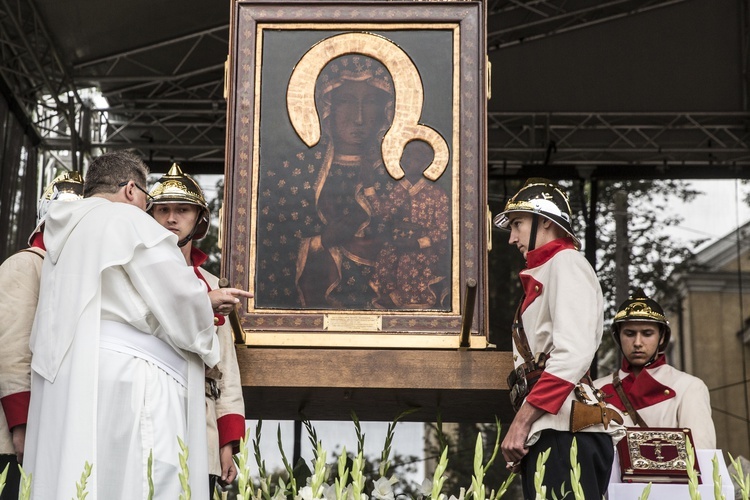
(639, 341)
(180, 218)
(520, 231)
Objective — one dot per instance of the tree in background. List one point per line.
(655, 257)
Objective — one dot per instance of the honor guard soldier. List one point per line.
(19, 293)
(556, 332)
(179, 206)
(650, 392)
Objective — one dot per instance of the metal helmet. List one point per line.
(179, 187)
(639, 307)
(67, 186)
(541, 197)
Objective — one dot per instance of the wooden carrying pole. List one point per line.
(234, 318)
(468, 315)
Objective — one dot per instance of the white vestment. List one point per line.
(110, 263)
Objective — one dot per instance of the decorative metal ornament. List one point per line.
(640, 308)
(656, 455)
(178, 187)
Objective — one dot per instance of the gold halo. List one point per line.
(300, 98)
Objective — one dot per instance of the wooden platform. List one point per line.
(327, 384)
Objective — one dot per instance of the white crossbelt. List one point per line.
(123, 338)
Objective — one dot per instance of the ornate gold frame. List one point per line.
(386, 31)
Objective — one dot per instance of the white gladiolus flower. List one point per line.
(461, 494)
(329, 492)
(305, 493)
(349, 493)
(426, 487)
(383, 488)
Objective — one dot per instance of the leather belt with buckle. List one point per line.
(212, 389)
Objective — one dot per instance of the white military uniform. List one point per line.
(225, 415)
(665, 397)
(119, 342)
(562, 317)
(19, 291)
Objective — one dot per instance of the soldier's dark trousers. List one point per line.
(10, 492)
(595, 454)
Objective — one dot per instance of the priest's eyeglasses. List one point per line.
(149, 198)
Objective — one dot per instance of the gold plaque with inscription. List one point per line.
(353, 322)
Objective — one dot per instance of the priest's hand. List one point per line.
(223, 300)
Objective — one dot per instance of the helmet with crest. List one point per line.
(67, 186)
(639, 307)
(178, 187)
(540, 197)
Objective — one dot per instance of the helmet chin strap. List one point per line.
(658, 348)
(532, 233)
(653, 358)
(189, 237)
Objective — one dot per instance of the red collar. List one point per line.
(38, 240)
(661, 359)
(197, 256)
(644, 391)
(539, 256)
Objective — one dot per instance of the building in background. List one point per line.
(711, 334)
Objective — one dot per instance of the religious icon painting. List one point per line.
(355, 205)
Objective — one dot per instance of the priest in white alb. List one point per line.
(121, 338)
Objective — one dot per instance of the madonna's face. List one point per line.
(358, 114)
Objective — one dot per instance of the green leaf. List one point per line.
(4, 478)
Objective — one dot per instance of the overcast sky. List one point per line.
(714, 214)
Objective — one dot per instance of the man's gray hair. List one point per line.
(110, 169)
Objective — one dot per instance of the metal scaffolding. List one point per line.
(164, 112)
(620, 145)
(513, 22)
(164, 101)
(33, 77)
